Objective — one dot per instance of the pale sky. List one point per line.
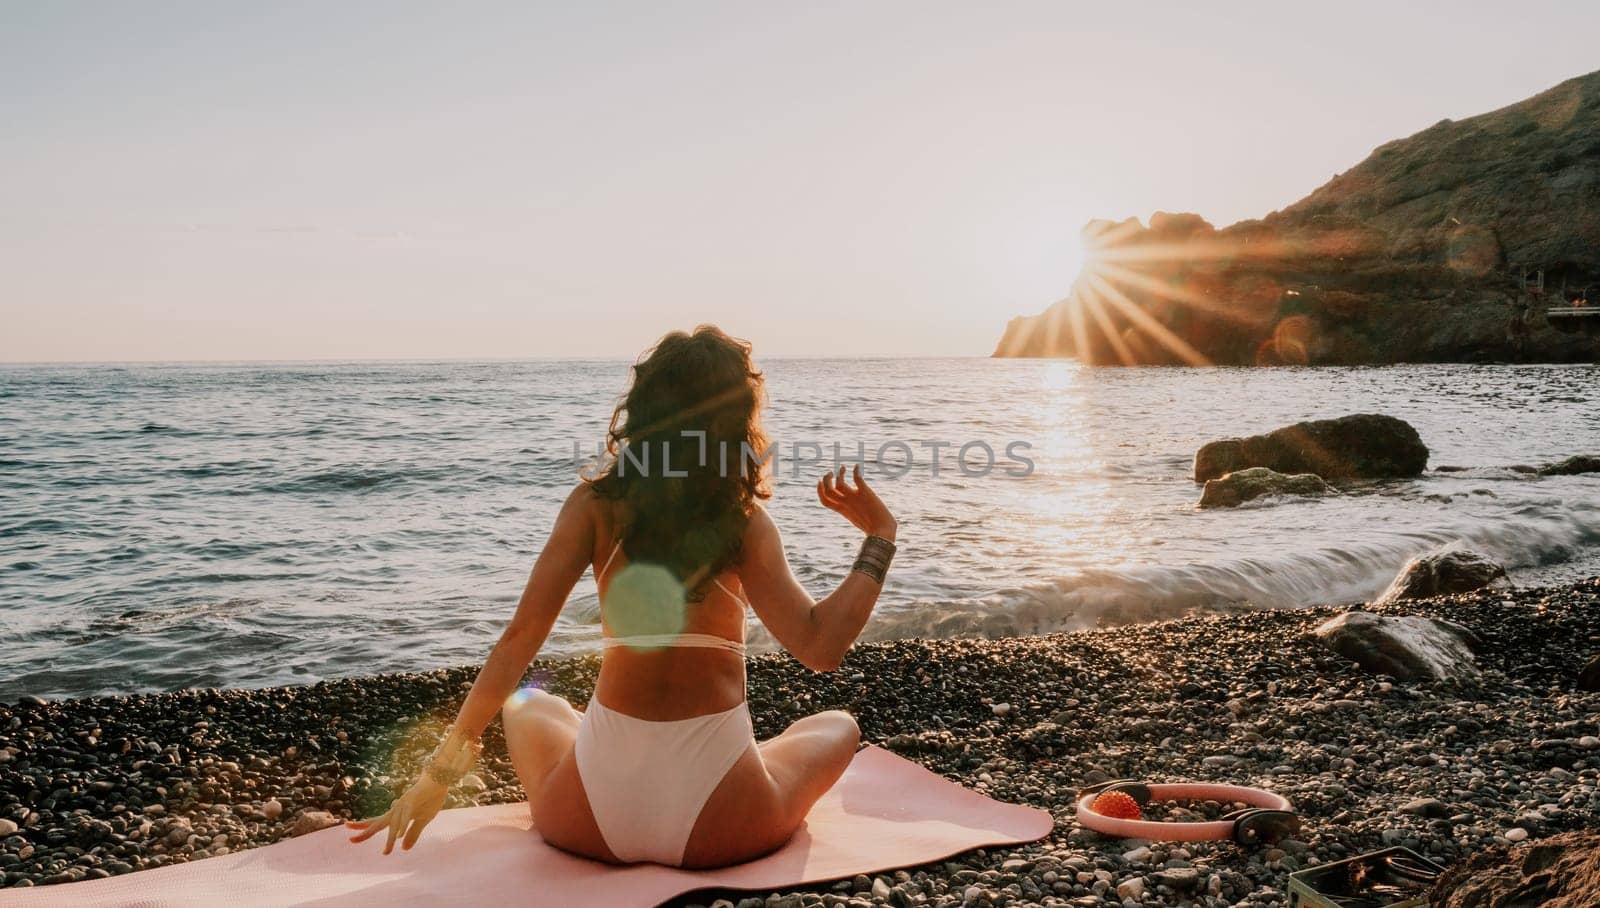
(218, 180)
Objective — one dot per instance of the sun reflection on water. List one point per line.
(1073, 484)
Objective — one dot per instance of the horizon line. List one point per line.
(5, 363)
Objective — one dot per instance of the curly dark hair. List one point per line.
(681, 500)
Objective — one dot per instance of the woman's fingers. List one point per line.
(858, 503)
(369, 828)
(838, 484)
(866, 492)
(828, 493)
(861, 482)
(835, 493)
(412, 834)
(394, 832)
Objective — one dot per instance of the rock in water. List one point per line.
(1442, 573)
(1362, 446)
(1572, 466)
(1243, 485)
(1589, 678)
(1408, 647)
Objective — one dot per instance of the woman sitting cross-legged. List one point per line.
(662, 765)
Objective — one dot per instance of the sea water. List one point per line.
(219, 525)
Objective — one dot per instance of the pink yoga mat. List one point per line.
(885, 812)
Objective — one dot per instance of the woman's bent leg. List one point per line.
(539, 733)
(808, 758)
(766, 795)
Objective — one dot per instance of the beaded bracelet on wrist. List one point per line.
(448, 765)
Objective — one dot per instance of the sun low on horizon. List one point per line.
(289, 186)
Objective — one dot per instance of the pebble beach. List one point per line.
(101, 786)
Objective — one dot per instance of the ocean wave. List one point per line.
(353, 479)
(40, 525)
(219, 468)
(80, 630)
(1354, 573)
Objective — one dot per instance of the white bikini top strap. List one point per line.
(657, 641)
(618, 547)
(736, 596)
(610, 558)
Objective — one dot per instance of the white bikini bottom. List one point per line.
(648, 781)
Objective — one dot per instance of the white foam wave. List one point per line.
(1352, 573)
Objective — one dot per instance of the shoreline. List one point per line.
(100, 786)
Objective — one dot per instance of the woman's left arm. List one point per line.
(563, 560)
(555, 572)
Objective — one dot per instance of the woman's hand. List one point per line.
(406, 816)
(860, 505)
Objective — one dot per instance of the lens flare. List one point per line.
(520, 696)
(645, 600)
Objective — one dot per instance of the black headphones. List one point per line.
(1257, 825)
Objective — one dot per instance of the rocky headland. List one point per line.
(1448, 246)
(1467, 765)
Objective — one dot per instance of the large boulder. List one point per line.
(1243, 485)
(1559, 872)
(1409, 648)
(1363, 446)
(1572, 466)
(1589, 677)
(1442, 573)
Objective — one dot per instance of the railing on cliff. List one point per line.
(1580, 313)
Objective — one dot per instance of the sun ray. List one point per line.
(1052, 325)
(1091, 299)
(1013, 343)
(1264, 244)
(1148, 324)
(1189, 251)
(1110, 270)
(1080, 335)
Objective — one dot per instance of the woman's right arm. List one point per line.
(818, 633)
